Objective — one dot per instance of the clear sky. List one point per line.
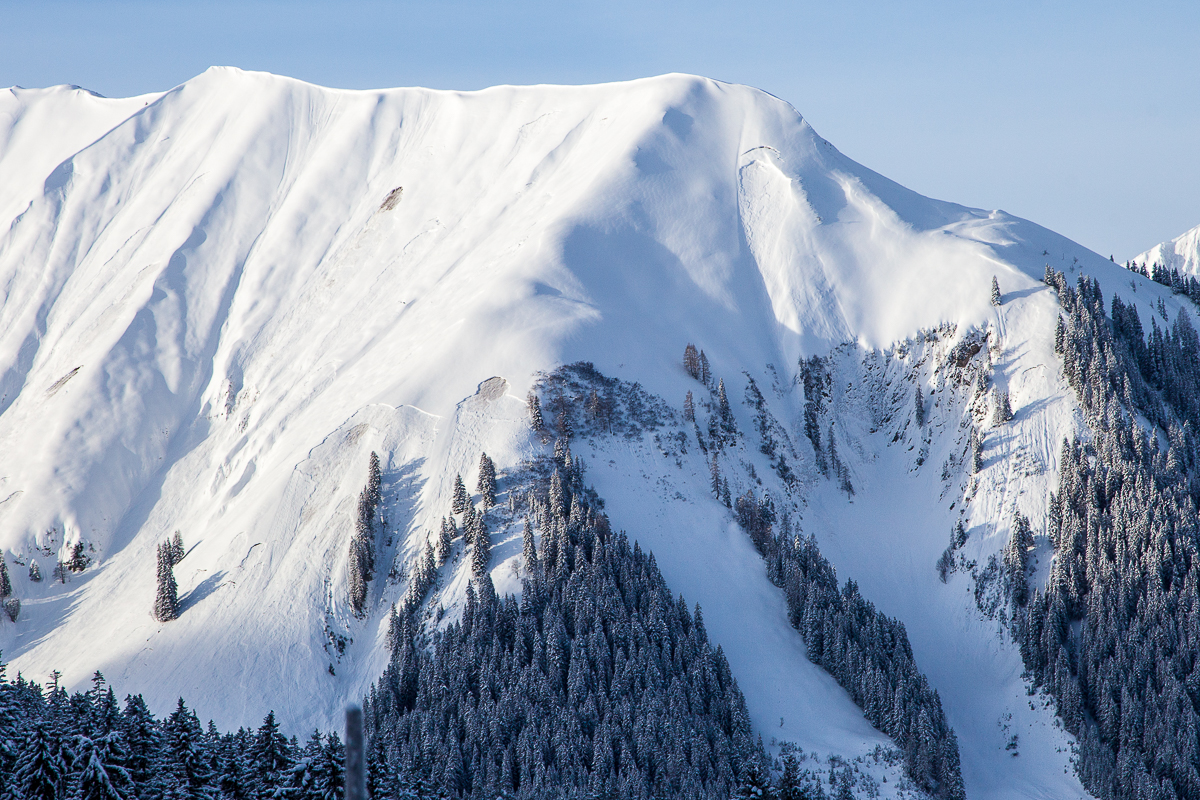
(1082, 116)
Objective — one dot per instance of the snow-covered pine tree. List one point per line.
(535, 412)
(79, 560)
(976, 451)
(714, 469)
(461, 499)
(691, 361)
(481, 552)
(40, 772)
(166, 599)
(705, 372)
(272, 758)
(100, 771)
(995, 291)
(444, 541)
(689, 409)
(1016, 559)
(5, 583)
(529, 549)
(487, 481)
(1003, 409)
(35, 572)
(919, 407)
(177, 549)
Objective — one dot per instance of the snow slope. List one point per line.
(220, 299)
(1181, 254)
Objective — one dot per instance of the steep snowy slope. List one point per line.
(1181, 254)
(221, 299)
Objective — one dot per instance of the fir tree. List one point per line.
(487, 481)
(481, 552)
(461, 500)
(40, 772)
(995, 291)
(723, 408)
(535, 413)
(691, 361)
(689, 410)
(35, 572)
(166, 599)
(177, 549)
(705, 372)
(528, 549)
(1003, 409)
(5, 583)
(101, 771)
(919, 407)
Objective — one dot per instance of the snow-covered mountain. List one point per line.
(1181, 254)
(219, 300)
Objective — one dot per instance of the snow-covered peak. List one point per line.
(1181, 254)
(220, 299)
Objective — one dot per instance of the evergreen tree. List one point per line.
(487, 481)
(177, 549)
(995, 291)
(705, 372)
(1003, 409)
(183, 755)
(535, 413)
(101, 773)
(528, 550)
(461, 500)
(689, 410)
(919, 408)
(691, 361)
(35, 572)
(445, 540)
(166, 599)
(5, 583)
(726, 413)
(272, 758)
(481, 552)
(40, 772)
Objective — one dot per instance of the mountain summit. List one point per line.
(221, 300)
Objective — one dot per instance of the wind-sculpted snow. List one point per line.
(219, 300)
(1181, 254)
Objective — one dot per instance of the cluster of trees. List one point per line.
(363, 541)
(166, 595)
(1114, 636)
(87, 746)
(817, 382)
(1159, 273)
(865, 651)
(583, 401)
(596, 682)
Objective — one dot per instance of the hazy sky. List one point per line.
(1082, 116)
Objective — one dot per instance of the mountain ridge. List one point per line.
(250, 283)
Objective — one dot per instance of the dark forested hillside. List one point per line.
(87, 746)
(1115, 635)
(597, 682)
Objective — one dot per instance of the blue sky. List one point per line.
(1084, 117)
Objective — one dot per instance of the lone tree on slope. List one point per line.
(166, 600)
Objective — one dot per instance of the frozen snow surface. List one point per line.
(1181, 254)
(219, 300)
